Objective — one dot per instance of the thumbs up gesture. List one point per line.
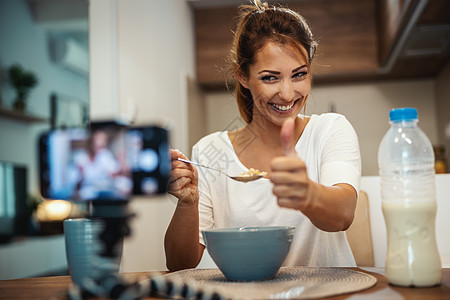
(288, 138)
(288, 172)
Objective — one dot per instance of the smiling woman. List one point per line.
(252, 35)
(312, 162)
(278, 90)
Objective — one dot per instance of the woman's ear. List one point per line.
(242, 78)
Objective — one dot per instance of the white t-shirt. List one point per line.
(329, 146)
(96, 174)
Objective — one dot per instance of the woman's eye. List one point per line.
(299, 74)
(268, 78)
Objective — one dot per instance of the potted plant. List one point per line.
(22, 81)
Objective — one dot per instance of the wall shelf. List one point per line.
(19, 116)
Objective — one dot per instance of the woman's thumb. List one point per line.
(287, 137)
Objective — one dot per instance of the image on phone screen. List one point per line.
(77, 164)
(107, 163)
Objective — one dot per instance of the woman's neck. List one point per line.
(269, 133)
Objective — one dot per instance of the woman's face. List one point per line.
(279, 82)
(99, 140)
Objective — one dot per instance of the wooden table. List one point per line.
(55, 288)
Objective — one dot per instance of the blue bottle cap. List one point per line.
(403, 114)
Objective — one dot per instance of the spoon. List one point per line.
(241, 178)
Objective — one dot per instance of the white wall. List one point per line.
(221, 111)
(366, 106)
(151, 56)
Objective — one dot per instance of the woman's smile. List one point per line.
(283, 108)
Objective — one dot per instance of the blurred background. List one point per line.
(64, 62)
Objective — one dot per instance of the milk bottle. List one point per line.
(406, 163)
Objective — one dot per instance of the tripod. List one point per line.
(106, 282)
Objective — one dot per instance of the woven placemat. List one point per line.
(289, 283)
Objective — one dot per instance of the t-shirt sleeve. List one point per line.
(206, 219)
(341, 158)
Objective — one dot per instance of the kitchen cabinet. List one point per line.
(414, 37)
(393, 16)
(33, 256)
(358, 40)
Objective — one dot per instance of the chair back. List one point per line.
(359, 234)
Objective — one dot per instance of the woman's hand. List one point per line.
(181, 242)
(292, 186)
(183, 181)
(330, 208)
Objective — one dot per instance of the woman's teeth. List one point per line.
(283, 108)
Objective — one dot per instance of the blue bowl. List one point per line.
(249, 253)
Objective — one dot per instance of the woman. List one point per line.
(313, 163)
(101, 173)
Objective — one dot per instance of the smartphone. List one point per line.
(103, 163)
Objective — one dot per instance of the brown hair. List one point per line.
(258, 24)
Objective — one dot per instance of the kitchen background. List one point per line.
(155, 61)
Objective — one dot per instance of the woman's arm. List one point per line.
(182, 247)
(328, 208)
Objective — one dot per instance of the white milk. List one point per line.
(412, 258)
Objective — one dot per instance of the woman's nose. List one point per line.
(286, 91)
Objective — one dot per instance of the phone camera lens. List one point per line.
(149, 185)
(148, 160)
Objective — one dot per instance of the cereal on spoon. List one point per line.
(253, 172)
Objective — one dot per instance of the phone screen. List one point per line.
(108, 163)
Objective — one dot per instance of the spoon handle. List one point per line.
(241, 178)
(200, 165)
